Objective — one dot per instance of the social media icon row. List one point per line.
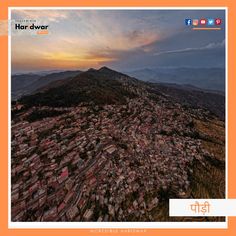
(203, 21)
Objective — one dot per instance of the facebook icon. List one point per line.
(188, 22)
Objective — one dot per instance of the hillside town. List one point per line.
(102, 163)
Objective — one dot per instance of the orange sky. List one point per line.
(123, 39)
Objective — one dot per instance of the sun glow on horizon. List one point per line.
(81, 39)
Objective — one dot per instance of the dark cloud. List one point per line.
(125, 39)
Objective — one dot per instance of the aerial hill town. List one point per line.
(103, 146)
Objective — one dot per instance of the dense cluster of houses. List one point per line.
(101, 163)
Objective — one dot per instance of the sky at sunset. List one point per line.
(121, 39)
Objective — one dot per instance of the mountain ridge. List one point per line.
(24, 84)
(123, 144)
(203, 78)
(105, 85)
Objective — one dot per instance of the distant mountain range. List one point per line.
(200, 78)
(205, 78)
(23, 84)
(103, 86)
(106, 86)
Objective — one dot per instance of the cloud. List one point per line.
(213, 45)
(48, 15)
(124, 38)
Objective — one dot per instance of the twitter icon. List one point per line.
(210, 22)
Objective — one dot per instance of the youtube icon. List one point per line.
(203, 21)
